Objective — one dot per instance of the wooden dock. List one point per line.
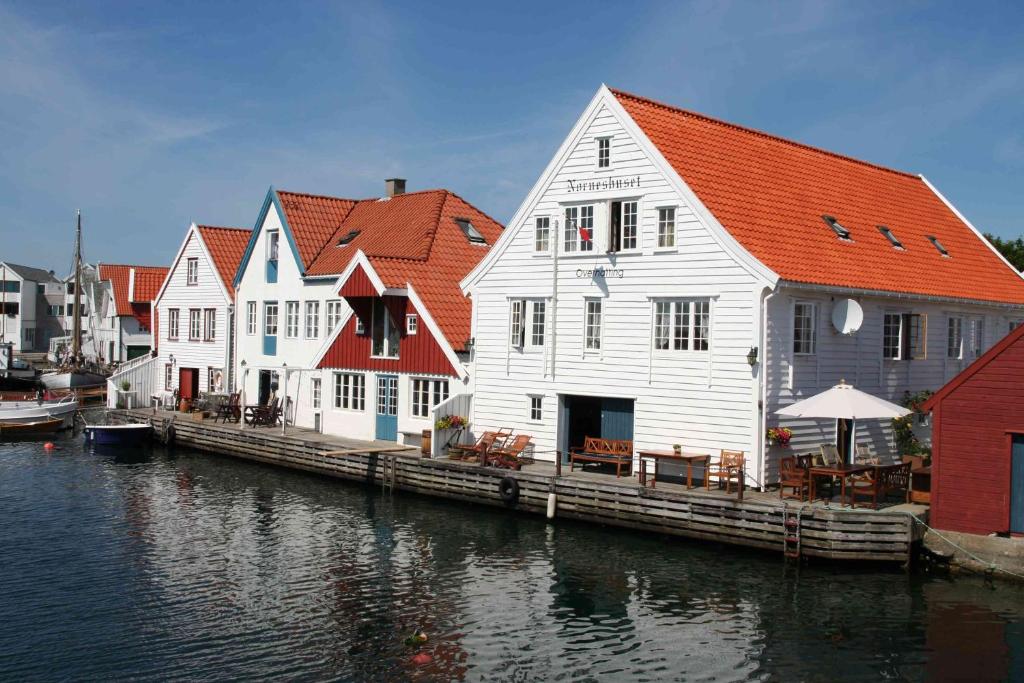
(760, 520)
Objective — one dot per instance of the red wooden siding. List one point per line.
(358, 284)
(142, 313)
(971, 445)
(417, 354)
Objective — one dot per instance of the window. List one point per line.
(333, 314)
(348, 237)
(837, 228)
(578, 234)
(537, 330)
(173, 315)
(270, 319)
(1014, 324)
(955, 338)
(29, 336)
(291, 319)
(682, 325)
(412, 323)
(55, 309)
(536, 408)
(426, 394)
(195, 324)
(250, 317)
(622, 228)
(214, 379)
(11, 308)
(937, 244)
(273, 239)
(891, 237)
(312, 320)
(805, 328)
(14, 286)
(349, 391)
(516, 323)
(592, 325)
(471, 233)
(210, 324)
(667, 227)
(904, 336)
(360, 326)
(314, 388)
(542, 234)
(977, 337)
(604, 152)
(168, 376)
(385, 332)
(192, 276)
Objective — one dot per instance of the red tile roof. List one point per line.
(409, 238)
(312, 219)
(770, 194)
(148, 280)
(226, 247)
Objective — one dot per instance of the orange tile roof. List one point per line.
(312, 219)
(226, 247)
(411, 237)
(148, 280)
(770, 194)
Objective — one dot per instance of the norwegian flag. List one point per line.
(586, 234)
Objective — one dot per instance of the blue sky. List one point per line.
(150, 115)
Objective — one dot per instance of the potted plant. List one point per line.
(677, 448)
(779, 436)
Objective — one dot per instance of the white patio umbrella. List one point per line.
(844, 402)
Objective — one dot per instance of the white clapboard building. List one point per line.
(673, 279)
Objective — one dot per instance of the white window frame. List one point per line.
(333, 314)
(542, 234)
(192, 272)
(315, 393)
(977, 339)
(412, 323)
(173, 323)
(360, 326)
(535, 408)
(812, 342)
(667, 240)
(291, 319)
(425, 394)
(905, 343)
(209, 324)
(251, 324)
(387, 353)
(273, 244)
(195, 324)
(312, 325)
(593, 324)
(575, 216)
(607, 156)
(954, 337)
(211, 372)
(350, 391)
(680, 337)
(638, 236)
(168, 376)
(271, 320)
(535, 338)
(517, 323)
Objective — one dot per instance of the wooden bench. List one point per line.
(616, 452)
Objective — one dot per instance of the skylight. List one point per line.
(891, 237)
(831, 221)
(938, 245)
(471, 233)
(348, 237)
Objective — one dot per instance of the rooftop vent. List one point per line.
(891, 237)
(938, 245)
(471, 233)
(348, 237)
(394, 187)
(831, 221)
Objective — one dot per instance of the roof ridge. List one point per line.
(131, 265)
(317, 196)
(222, 227)
(761, 133)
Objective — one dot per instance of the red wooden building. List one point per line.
(978, 444)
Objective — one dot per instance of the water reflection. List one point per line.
(158, 564)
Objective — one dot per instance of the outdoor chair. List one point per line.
(265, 416)
(230, 409)
(864, 456)
(509, 456)
(866, 485)
(485, 443)
(897, 479)
(830, 455)
(729, 469)
(794, 477)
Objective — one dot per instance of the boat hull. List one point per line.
(23, 412)
(119, 435)
(72, 380)
(14, 429)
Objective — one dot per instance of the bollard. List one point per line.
(552, 504)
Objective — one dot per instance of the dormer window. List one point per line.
(604, 152)
(837, 227)
(348, 237)
(471, 233)
(938, 245)
(891, 237)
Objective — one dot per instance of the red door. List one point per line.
(188, 383)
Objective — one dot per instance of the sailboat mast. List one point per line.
(76, 334)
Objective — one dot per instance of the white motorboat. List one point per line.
(74, 379)
(23, 412)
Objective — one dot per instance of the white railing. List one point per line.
(141, 375)
(459, 404)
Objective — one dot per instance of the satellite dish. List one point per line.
(847, 316)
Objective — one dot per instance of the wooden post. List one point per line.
(558, 463)
(743, 480)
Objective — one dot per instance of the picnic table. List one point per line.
(840, 471)
(670, 456)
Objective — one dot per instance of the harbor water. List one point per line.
(172, 564)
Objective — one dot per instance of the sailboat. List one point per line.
(75, 373)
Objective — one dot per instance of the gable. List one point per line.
(271, 217)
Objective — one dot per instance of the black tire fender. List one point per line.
(508, 489)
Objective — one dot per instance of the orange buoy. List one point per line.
(421, 659)
(48, 445)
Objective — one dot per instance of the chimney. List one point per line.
(394, 186)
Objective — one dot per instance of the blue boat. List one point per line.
(119, 435)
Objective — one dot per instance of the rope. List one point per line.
(992, 566)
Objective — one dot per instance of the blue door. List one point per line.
(617, 418)
(1017, 485)
(387, 407)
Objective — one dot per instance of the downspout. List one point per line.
(229, 370)
(766, 296)
(554, 299)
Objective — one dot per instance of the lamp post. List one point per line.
(284, 401)
(241, 396)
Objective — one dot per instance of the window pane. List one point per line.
(701, 325)
(662, 311)
(586, 228)
(629, 233)
(379, 315)
(804, 328)
(681, 325)
(537, 336)
(891, 329)
(542, 234)
(570, 231)
(593, 325)
(667, 227)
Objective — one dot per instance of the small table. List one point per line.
(841, 471)
(920, 485)
(658, 456)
